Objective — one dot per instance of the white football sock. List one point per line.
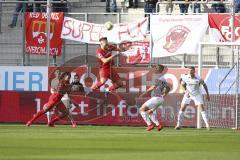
(180, 118)
(71, 118)
(205, 119)
(145, 118)
(49, 115)
(153, 117)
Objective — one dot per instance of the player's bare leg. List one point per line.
(49, 116)
(204, 116)
(67, 102)
(180, 116)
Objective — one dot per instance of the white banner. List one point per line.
(24, 78)
(178, 34)
(139, 52)
(85, 32)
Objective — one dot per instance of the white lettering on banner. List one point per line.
(54, 16)
(24, 78)
(190, 112)
(166, 111)
(121, 106)
(90, 33)
(83, 105)
(226, 31)
(129, 81)
(41, 50)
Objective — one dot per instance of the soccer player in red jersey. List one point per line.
(105, 57)
(55, 100)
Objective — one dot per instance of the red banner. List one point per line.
(36, 35)
(120, 110)
(220, 27)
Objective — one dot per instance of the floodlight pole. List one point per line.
(48, 31)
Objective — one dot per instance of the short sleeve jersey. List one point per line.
(160, 83)
(101, 53)
(192, 84)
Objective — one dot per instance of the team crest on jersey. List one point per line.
(176, 36)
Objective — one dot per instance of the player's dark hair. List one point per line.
(65, 74)
(190, 67)
(159, 67)
(103, 39)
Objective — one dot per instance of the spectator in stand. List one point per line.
(196, 7)
(219, 7)
(38, 6)
(169, 6)
(19, 7)
(184, 7)
(113, 7)
(150, 6)
(76, 85)
(60, 7)
(237, 6)
(133, 4)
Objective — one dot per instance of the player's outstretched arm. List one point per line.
(122, 49)
(206, 89)
(148, 90)
(106, 60)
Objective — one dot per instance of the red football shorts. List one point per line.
(54, 99)
(109, 73)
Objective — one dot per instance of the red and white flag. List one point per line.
(36, 35)
(220, 27)
(180, 34)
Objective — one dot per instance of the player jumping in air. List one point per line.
(105, 57)
(159, 90)
(191, 83)
(55, 100)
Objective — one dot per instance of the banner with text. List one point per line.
(124, 111)
(179, 34)
(36, 34)
(21, 78)
(220, 27)
(86, 32)
(138, 53)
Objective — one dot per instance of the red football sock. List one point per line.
(113, 87)
(57, 118)
(98, 85)
(37, 115)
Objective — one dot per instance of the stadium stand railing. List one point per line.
(12, 41)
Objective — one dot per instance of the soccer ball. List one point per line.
(108, 25)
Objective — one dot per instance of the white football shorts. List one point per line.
(197, 99)
(154, 102)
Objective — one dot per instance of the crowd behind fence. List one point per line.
(12, 43)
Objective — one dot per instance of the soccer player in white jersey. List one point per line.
(192, 85)
(159, 90)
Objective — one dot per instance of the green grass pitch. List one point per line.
(116, 143)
